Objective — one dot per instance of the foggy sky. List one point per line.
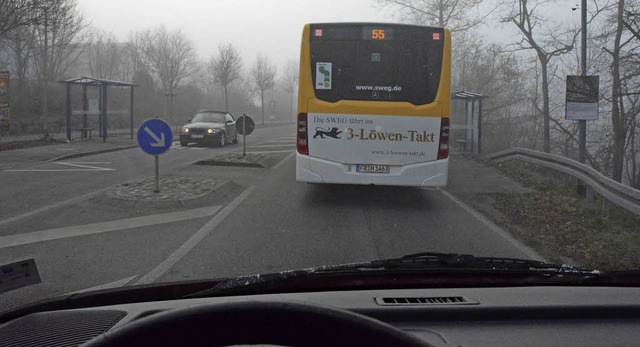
(273, 27)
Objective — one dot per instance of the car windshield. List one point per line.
(209, 117)
(346, 132)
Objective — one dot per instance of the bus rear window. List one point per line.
(356, 62)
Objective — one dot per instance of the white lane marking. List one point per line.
(188, 148)
(74, 164)
(292, 141)
(77, 167)
(114, 284)
(267, 152)
(177, 145)
(194, 240)
(498, 230)
(102, 227)
(279, 164)
(52, 206)
(271, 146)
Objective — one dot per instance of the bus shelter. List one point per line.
(103, 86)
(471, 122)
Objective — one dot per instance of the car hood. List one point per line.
(204, 125)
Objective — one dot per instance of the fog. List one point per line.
(272, 28)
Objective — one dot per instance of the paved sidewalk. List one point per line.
(10, 159)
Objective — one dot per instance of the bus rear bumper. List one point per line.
(426, 175)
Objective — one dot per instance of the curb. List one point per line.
(83, 154)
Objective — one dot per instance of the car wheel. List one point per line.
(235, 140)
(184, 143)
(223, 140)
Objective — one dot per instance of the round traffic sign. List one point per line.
(245, 125)
(155, 136)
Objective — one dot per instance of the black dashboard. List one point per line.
(516, 316)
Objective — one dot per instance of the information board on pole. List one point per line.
(582, 98)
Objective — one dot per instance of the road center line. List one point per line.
(102, 227)
(194, 240)
(498, 230)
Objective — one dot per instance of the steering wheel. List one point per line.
(279, 323)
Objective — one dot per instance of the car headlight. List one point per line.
(185, 130)
(211, 131)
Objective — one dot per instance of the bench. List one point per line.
(83, 132)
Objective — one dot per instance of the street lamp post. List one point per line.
(45, 79)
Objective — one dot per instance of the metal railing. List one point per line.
(610, 190)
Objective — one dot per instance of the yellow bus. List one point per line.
(373, 104)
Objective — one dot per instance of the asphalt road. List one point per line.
(256, 221)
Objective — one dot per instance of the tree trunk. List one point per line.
(226, 98)
(617, 116)
(545, 104)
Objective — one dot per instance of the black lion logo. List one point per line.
(326, 132)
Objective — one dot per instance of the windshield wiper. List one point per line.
(468, 261)
(418, 263)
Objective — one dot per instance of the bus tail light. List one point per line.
(443, 149)
(302, 143)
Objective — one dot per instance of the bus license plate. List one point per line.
(370, 168)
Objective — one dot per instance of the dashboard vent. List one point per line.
(427, 300)
(71, 328)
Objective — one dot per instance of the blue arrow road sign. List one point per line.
(154, 136)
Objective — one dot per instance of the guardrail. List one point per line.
(610, 190)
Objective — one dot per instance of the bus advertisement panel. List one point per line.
(373, 104)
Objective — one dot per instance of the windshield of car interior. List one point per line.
(360, 130)
(209, 117)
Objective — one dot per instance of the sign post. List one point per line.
(155, 138)
(582, 97)
(245, 126)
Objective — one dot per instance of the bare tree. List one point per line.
(289, 81)
(18, 13)
(459, 15)
(547, 42)
(169, 58)
(500, 76)
(225, 68)
(104, 55)
(59, 37)
(263, 73)
(625, 82)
